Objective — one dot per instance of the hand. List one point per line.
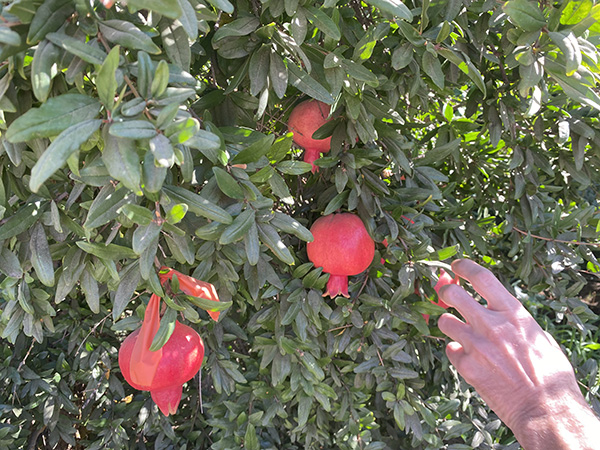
(516, 367)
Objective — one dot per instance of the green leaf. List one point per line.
(121, 160)
(439, 154)
(223, 5)
(567, 42)
(227, 184)
(50, 16)
(130, 278)
(44, 68)
(336, 203)
(176, 43)
(176, 213)
(188, 19)
(165, 330)
(525, 14)
(41, 260)
(85, 51)
(143, 236)
(9, 37)
(238, 228)
(293, 167)
(9, 264)
(106, 206)
(575, 11)
(89, 286)
(394, 7)
(138, 214)
(133, 129)
(307, 84)
(270, 237)
(112, 252)
(53, 117)
(22, 219)
(161, 79)
(290, 225)
(208, 305)
(278, 74)
(250, 438)
(106, 83)
(255, 151)
(323, 22)
(60, 150)
(167, 8)
(162, 150)
(128, 35)
(259, 69)
(198, 205)
(433, 68)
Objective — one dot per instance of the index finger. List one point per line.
(486, 285)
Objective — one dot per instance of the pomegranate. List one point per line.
(193, 287)
(443, 280)
(163, 372)
(342, 247)
(305, 119)
(180, 359)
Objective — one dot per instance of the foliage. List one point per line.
(133, 138)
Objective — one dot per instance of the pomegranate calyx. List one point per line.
(337, 285)
(168, 398)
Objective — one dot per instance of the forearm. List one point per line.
(566, 424)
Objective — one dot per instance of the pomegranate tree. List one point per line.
(342, 247)
(305, 119)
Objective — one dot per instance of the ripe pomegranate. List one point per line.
(181, 358)
(443, 280)
(341, 246)
(305, 119)
(164, 371)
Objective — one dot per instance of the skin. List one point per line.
(516, 367)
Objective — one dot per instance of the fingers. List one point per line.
(455, 353)
(454, 328)
(458, 298)
(486, 284)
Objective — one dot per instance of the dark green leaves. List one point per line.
(198, 205)
(525, 14)
(53, 117)
(127, 35)
(394, 7)
(60, 150)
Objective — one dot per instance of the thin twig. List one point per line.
(555, 240)
(26, 355)
(91, 331)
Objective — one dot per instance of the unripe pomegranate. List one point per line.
(305, 119)
(342, 247)
(181, 359)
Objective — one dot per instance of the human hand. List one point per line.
(516, 367)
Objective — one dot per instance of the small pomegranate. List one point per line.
(192, 286)
(342, 247)
(305, 119)
(443, 280)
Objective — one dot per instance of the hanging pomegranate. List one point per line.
(342, 247)
(443, 280)
(179, 360)
(305, 119)
(164, 371)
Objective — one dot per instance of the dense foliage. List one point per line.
(134, 138)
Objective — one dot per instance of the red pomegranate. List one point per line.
(443, 280)
(180, 360)
(341, 246)
(305, 119)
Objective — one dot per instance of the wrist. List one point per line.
(558, 422)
